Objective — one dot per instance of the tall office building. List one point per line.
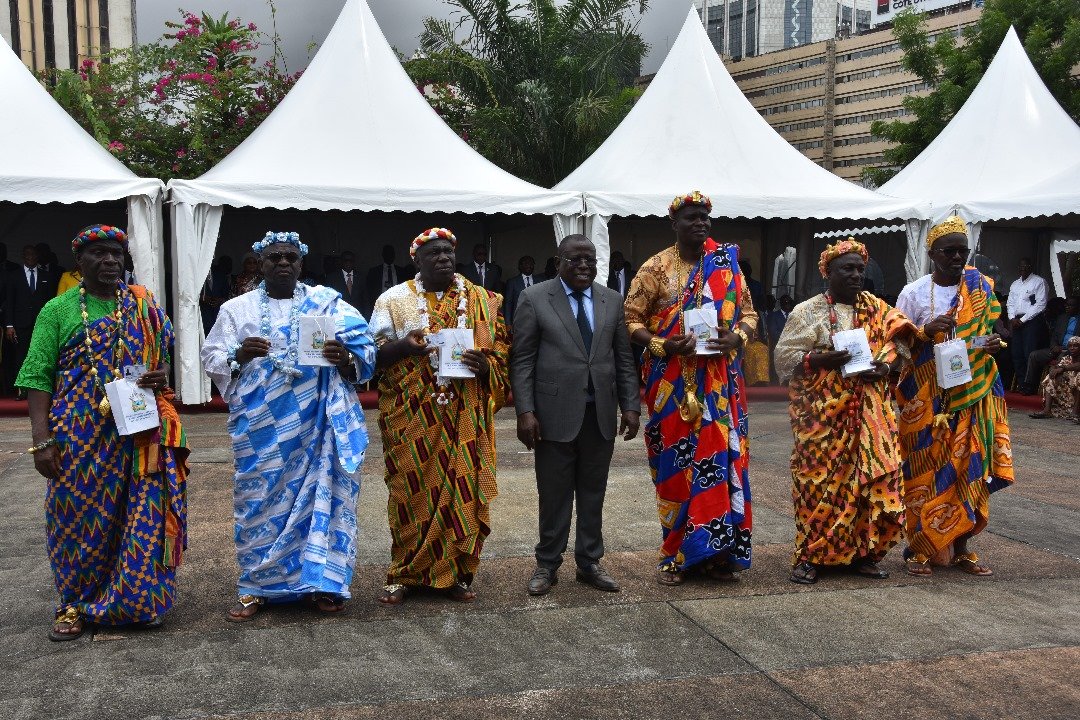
(63, 33)
(745, 28)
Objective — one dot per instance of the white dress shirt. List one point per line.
(1027, 298)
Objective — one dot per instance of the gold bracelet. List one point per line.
(742, 333)
(656, 346)
(42, 445)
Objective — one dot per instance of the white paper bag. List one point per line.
(951, 363)
(702, 324)
(857, 343)
(452, 345)
(134, 409)
(315, 330)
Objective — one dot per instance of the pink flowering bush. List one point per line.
(177, 107)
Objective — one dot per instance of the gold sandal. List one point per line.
(71, 618)
(245, 602)
(919, 566)
(969, 563)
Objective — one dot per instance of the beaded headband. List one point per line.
(953, 224)
(693, 198)
(273, 238)
(851, 245)
(429, 235)
(96, 233)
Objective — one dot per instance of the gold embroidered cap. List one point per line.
(953, 224)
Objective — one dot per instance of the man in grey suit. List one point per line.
(572, 371)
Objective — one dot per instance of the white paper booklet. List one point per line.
(702, 324)
(452, 345)
(857, 343)
(315, 330)
(134, 409)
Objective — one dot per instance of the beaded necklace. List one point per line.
(287, 362)
(690, 410)
(104, 406)
(445, 395)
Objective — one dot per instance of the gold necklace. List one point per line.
(690, 409)
(105, 407)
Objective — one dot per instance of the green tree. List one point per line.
(535, 86)
(1050, 31)
(176, 107)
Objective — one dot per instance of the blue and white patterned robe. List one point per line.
(298, 445)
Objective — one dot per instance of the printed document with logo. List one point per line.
(452, 344)
(315, 330)
(134, 409)
(855, 342)
(702, 324)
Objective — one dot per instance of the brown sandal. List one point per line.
(393, 594)
(460, 592)
(969, 563)
(804, 573)
(326, 603)
(919, 566)
(68, 625)
(670, 575)
(245, 608)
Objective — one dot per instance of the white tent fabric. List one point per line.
(1011, 134)
(45, 156)
(354, 134)
(694, 128)
(1061, 243)
(1056, 195)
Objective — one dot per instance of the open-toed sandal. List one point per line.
(393, 594)
(870, 570)
(969, 563)
(326, 603)
(461, 592)
(670, 575)
(68, 625)
(245, 608)
(919, 566)
(804, 574)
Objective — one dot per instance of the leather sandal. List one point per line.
(68, 625)
(805, 573)
(460, 592)
(919, 566)
(393, 594)
(239, 612)
(969, 563)
(326, 603)
(670, 575)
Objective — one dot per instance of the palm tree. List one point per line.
(540, 84)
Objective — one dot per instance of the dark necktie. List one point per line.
(583, 320)
(33, 280)
(348, 284)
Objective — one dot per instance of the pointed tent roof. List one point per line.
(45, 156)
(355, 134)
(694, 128)
(1009, 135)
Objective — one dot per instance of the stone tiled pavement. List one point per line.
(952, 646)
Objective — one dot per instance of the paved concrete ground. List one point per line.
(952, 646)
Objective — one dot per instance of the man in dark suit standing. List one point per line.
(516, 284)
(346, 280)
(28, 289)
(381, 278)
(481, 272)
(572, 371)
(619, 273)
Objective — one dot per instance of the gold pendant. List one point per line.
(105, 407)
(690, 408)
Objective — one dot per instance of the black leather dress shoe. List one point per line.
(598, 577)
(542, 580)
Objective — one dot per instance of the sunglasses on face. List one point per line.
(954, 251)
(276, 257)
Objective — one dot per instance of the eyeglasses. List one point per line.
(583, 260)
(953, 251)
(276, 257)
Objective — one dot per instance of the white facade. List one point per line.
(739, 28)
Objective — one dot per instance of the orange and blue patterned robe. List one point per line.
(955, 443)
(700, 469)
(116, 517)
(847, 487)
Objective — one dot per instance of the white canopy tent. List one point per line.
(353, 134)
(46, 157)
(1009, 136)
(694, 129)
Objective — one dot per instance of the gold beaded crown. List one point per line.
(953, 224)
(831, 252)
(692, 198)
